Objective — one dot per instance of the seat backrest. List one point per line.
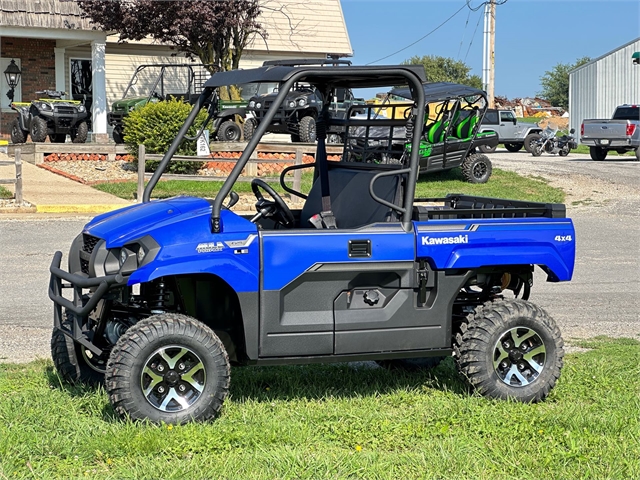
(351, 203)
(464, 128)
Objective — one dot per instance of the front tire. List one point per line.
(529, 140)
(249, 129)
(477, 168)
(536, 149)
(307, 129)
(74, 363)
(229, 131)
(17, 134)
(513, 147)
(598, 153)
(168, 368)
(80, 132)
(118, 135)
(39, 129)
(510, 349)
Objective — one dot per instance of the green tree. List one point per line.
(444, 69)
(555, 83)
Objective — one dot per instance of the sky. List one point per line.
(532, 36)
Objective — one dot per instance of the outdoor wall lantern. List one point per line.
(12, 74)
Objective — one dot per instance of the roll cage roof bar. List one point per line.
(324, 78)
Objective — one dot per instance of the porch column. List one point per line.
(61, 84)
(99, 88)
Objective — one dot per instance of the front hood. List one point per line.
(176, 217)
(127, 103)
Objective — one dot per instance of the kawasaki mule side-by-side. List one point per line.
(167, 295)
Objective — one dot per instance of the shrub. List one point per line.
(156, 125)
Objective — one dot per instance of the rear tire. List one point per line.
(39, 129)
(564, 151)
(118, 135)
(249, 129)
(307, 129)
(476, 168)
(487, 148)
(513, 147)
(638, 154)
(529, 139)
(598, 153)
(73, 362)
(168, 368)
(17, 134)
(229, 131)
(80, 132)
(536, 149)
(510, 349)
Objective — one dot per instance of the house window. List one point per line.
(81, 76)
(4, 87)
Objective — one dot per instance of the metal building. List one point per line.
(598, 87)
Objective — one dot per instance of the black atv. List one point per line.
(297, 115)
(53, 116)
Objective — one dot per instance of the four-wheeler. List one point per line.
(297, 115)
(168, 294)
(53, 116)
(449, 133)
(511, 133)
(621, 133)
(159, 82)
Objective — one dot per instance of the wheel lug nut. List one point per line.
(182, 388)
(521, 366)
(523, 347)
(160, 389)
(181, 366)
(506, 345)
(161, 368)
(504, 365)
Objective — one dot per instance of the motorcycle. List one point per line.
(552, 144)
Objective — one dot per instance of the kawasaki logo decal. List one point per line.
(210, 247)
(445, 240)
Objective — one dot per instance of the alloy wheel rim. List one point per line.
(173, 378)
(519, 356)
(479, 170)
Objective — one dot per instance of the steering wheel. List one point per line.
(267, 208)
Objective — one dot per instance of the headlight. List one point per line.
(252, 104)
(258, 105)
(45, 106)
(81, 108)
(141, 254)
(124, 254)
(302, 102)
(292, 104)
(127, 259)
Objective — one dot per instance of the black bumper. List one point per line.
(115, 118)
(78, 306)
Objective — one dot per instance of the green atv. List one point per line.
(53, 116)
(160, 82)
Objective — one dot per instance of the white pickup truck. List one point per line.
(621, 133)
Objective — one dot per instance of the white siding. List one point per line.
(597, 88)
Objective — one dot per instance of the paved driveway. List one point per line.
(602, 299)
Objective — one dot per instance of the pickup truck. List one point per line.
(621, 133)
(512, 134)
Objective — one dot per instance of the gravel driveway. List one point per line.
(602, 299)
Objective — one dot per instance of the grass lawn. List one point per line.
(502, 184)
(337, 421)
(5, 194)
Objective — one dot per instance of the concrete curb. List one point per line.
(100, 208)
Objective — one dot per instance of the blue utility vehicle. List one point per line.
(167, 295)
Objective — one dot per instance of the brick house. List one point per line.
(57, 49)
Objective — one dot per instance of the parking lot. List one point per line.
(602, 299)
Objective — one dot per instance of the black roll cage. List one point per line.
(322, 76)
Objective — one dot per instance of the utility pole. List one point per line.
(488, 51)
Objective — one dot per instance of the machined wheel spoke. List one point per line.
(503, 354)
(529, 358)
(513, 372)
(155, 380)
(171, 361)
(173, 395)
(188, 377)
(519, 339)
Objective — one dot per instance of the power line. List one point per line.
(473, 37)
(467, 4)
(464, 33)
(422, 38)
